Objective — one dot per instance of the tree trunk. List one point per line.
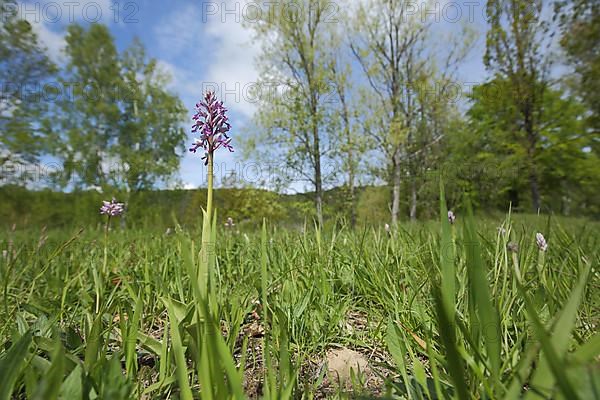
(318, 178)
(535, 192)
(396, 191)
(319, 200)
(533, 178)
(351, 188)
(351, 173)
(531, 153)
(513, 196)
(352, 205)
(413, 199)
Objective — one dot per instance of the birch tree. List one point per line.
(294, 91)
(387, 46)
(347, 114)
(408, 82)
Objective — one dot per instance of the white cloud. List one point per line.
(233, 66)
(53, 41)
(183, 81)
(189, 186)
(214, 42)
(172, 71)
(180, 32)
(49, 19)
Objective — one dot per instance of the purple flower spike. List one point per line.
(212, 125)
(112, 208)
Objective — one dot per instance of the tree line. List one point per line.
(105, 117)
(396, 120)
(373, 92)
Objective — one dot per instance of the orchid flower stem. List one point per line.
(105, 262)
(207, 237)
(515, 261)
(540, 267)
(209, 198)
(98, 277)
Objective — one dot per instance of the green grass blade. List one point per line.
(93, 343)
(179, 354)
(197, 275)
(448, 338)
(554, 362)
(447, 258)
(49, 387)
(284, 356)
(72, 387)
(588, 351)
(395, 345)
(132, 337)
(522, 373)
(206, 371)
(487, 315)
(543, 378)
(233, 377)
(11, 365)
(264, 277)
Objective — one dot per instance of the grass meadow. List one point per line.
(431, 310)
(312, 199)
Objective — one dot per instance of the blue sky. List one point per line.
(203, 43)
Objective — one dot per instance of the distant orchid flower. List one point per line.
(540, 240)
(212, 125)
(112, 208)
(451, 217)
(229, 223)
